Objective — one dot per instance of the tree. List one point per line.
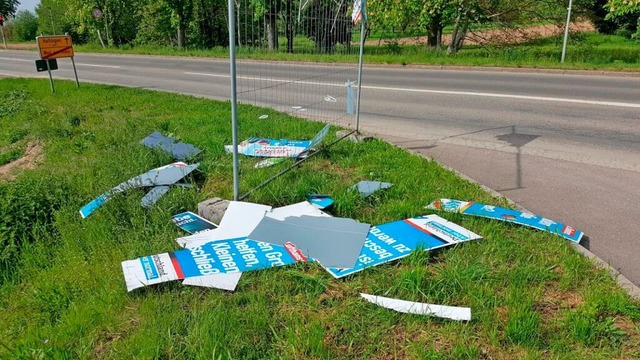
(183, 9)
(8, 7)
(25, 26)
(622, 7)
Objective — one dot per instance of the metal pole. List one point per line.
(53, 89)
(566, 32)
(75, 72)
(362, 33)
(234, 100)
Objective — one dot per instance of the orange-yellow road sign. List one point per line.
(55, 47)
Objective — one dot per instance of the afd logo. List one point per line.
(452, 205)
(149, 267)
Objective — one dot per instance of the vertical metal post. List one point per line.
(566, 32)
(234, 99)
(362, 36)
(75, 72)
(53, 89)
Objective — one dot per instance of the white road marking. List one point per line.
(12, 59)
(445, 92)
(102, 66)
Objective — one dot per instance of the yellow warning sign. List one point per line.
(55, 47)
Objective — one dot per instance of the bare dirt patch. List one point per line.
(506, 36)
(32, 157)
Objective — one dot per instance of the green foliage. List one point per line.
(27, 212)
(8, 7)
(25, 26)
(12, 101)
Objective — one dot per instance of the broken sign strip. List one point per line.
(366, 188)
(334, 242)
(395, 240)
(410, 307)
(213, 258)
(165, 175)
(179, 151)
(508, 215)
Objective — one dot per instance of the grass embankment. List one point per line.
(587, 51)
(62, 294)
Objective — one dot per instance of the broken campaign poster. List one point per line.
(261, 147)
(514, 216)
(218, 257)
(395, 240)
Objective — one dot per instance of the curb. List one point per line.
(632, 289)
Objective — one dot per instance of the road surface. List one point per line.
(563, 146)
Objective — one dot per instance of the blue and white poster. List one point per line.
(508, 215)
(216, 257)
(262, 147)
(192, 223)
(395, 240)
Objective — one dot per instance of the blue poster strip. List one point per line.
(509, 215)
(392, 241)
(229, 256)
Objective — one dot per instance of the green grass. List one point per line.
(62, 294)
(587, 51)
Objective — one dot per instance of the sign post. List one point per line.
(55, 47)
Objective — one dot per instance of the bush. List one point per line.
(25, 26)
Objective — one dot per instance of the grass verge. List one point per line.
(62, 294)
(586, 51)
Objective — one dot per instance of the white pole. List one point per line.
(234, 100)
(362, 33)
(566, 32)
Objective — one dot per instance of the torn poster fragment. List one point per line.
(238, 221)
(192, 223)
(410, 307)
(397, 239)
(213, 258)
(320, 201)
(152, 197)
(268, 162)
(179, 150)
(333, 242)
(261, 147)
(508, 215)
(162, 176)
(366, 188)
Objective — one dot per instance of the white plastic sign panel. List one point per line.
(410, 307)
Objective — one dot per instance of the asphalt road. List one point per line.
(563, 146)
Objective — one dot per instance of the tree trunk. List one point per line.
(181, 31)
(271, 21)
(458, 35)
(289, 28)
(434, 33)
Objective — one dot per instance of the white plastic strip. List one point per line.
(410, 307)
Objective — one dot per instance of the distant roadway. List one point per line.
(565, 146)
